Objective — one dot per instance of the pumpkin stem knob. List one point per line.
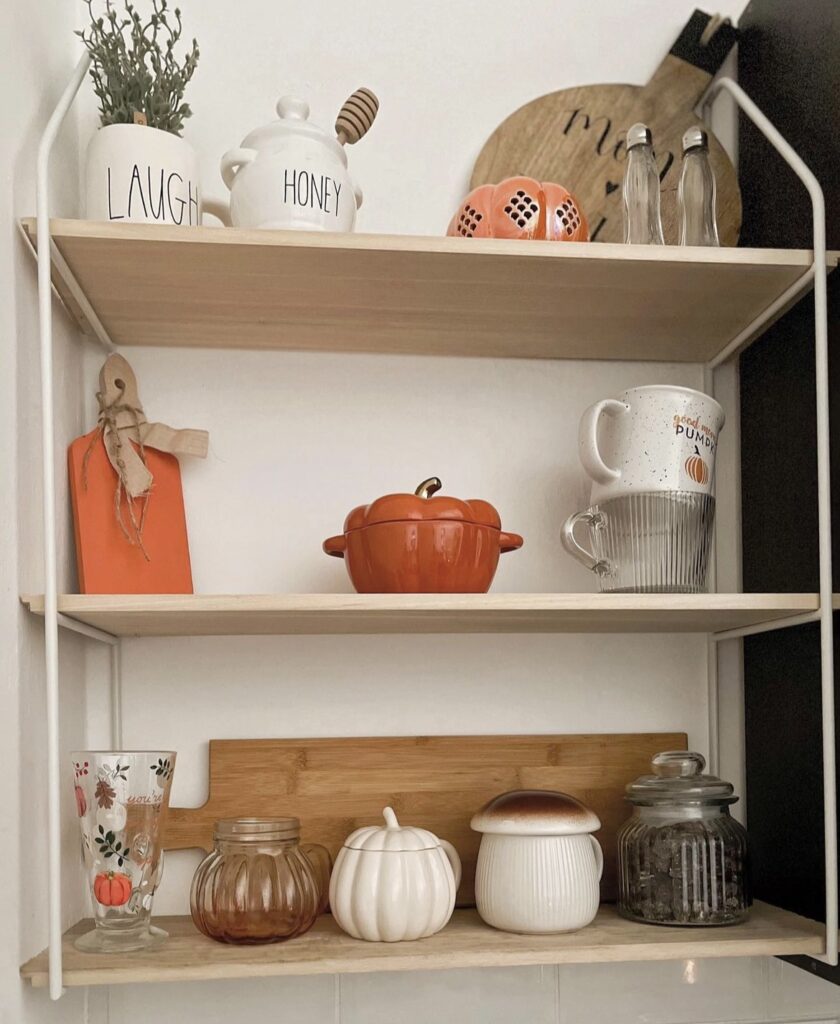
(390, 818)
(428, 487)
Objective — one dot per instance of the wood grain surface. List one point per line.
(576, 137)
(465, 942)
(437, 782)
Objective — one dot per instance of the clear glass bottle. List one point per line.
(697, 193)
(640, 192)
(259, 884)
(682, 859)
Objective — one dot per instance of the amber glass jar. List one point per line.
(259, 884)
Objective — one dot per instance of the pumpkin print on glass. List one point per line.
(121, 799)
(521, 208)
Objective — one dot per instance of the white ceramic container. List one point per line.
(656, 438)
(140, 175)
(394, 884)
(539, 867)
(291, 174)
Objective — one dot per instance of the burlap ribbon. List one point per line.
(121, 420)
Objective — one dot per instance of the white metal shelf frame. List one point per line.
(47, 253)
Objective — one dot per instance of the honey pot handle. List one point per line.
(321, 861)
(336, 546)
(509, 541)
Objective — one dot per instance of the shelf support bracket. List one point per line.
(50, 562)
(818, 273)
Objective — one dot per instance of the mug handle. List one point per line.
(454, 860)
(576, 550)
(599, 855)
(217, 208)
(590, 456)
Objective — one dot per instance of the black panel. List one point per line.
(788, 64)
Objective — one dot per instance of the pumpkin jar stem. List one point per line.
(428, 487)
(390, 818)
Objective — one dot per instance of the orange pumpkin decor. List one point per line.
(521, 208)
(112, 888)
(697, 468)
(417, 544)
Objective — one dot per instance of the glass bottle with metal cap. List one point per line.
(642, 218)
(696, 196)
(682, 860)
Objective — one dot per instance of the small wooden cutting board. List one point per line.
(576, 137)
(437, 782)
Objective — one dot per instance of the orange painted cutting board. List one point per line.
(576, 137)
(438, 782)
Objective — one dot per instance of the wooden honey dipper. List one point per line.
(356, 116)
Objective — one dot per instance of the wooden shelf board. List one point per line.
(309, 614)
(465, 942)
(232, 288)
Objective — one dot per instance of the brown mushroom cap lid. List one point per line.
(535, 812)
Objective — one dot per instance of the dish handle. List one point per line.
(336, 546)
(509, 541)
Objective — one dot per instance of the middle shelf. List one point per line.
(318, 614)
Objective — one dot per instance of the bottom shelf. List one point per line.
(465, 942)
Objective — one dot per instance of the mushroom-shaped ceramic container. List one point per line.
(539, 866)
(394, 883)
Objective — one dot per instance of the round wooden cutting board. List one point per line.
(576, 137)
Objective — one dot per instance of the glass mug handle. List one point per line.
(593, 520)
(590, 455)
(321, 861)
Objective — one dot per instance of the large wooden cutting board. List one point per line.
(438, 782)
(576, 137)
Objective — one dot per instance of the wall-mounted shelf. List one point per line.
(465, 942)
(231, 288)
(280, 614)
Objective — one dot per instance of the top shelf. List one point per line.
(232, 288)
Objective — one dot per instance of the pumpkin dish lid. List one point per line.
(420, 506)
(393, 837)
(535, 812)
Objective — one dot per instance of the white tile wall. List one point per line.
(792, 992)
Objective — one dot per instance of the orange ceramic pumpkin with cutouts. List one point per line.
(521, 208)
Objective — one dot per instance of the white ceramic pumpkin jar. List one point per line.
(539, 866)
(395, 883)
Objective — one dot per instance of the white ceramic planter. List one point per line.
(141, 175)
(539, 867)
(394, 884)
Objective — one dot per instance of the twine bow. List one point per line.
(121, 421)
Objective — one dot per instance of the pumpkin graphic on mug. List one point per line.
(112, 888)
(697, 468)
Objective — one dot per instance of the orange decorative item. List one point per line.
(697, 468)
(125, 488)
(521, 208)
(418, 544)
(112, 888)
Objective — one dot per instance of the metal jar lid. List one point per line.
(678, 779)
(639, 135)
(695, 138)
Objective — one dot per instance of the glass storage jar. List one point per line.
(682, 858)
(259, 884)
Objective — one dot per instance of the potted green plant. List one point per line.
(138, 167)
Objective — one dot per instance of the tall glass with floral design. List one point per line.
(121, 799)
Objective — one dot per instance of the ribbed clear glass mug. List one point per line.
(121, 801)
(259, 884)
(654, 543)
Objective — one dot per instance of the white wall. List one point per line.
(296, 440)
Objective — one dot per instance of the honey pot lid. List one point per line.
(678, 778)
(535, 812)
(422, 505)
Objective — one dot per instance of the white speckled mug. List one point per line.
(654, 438)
